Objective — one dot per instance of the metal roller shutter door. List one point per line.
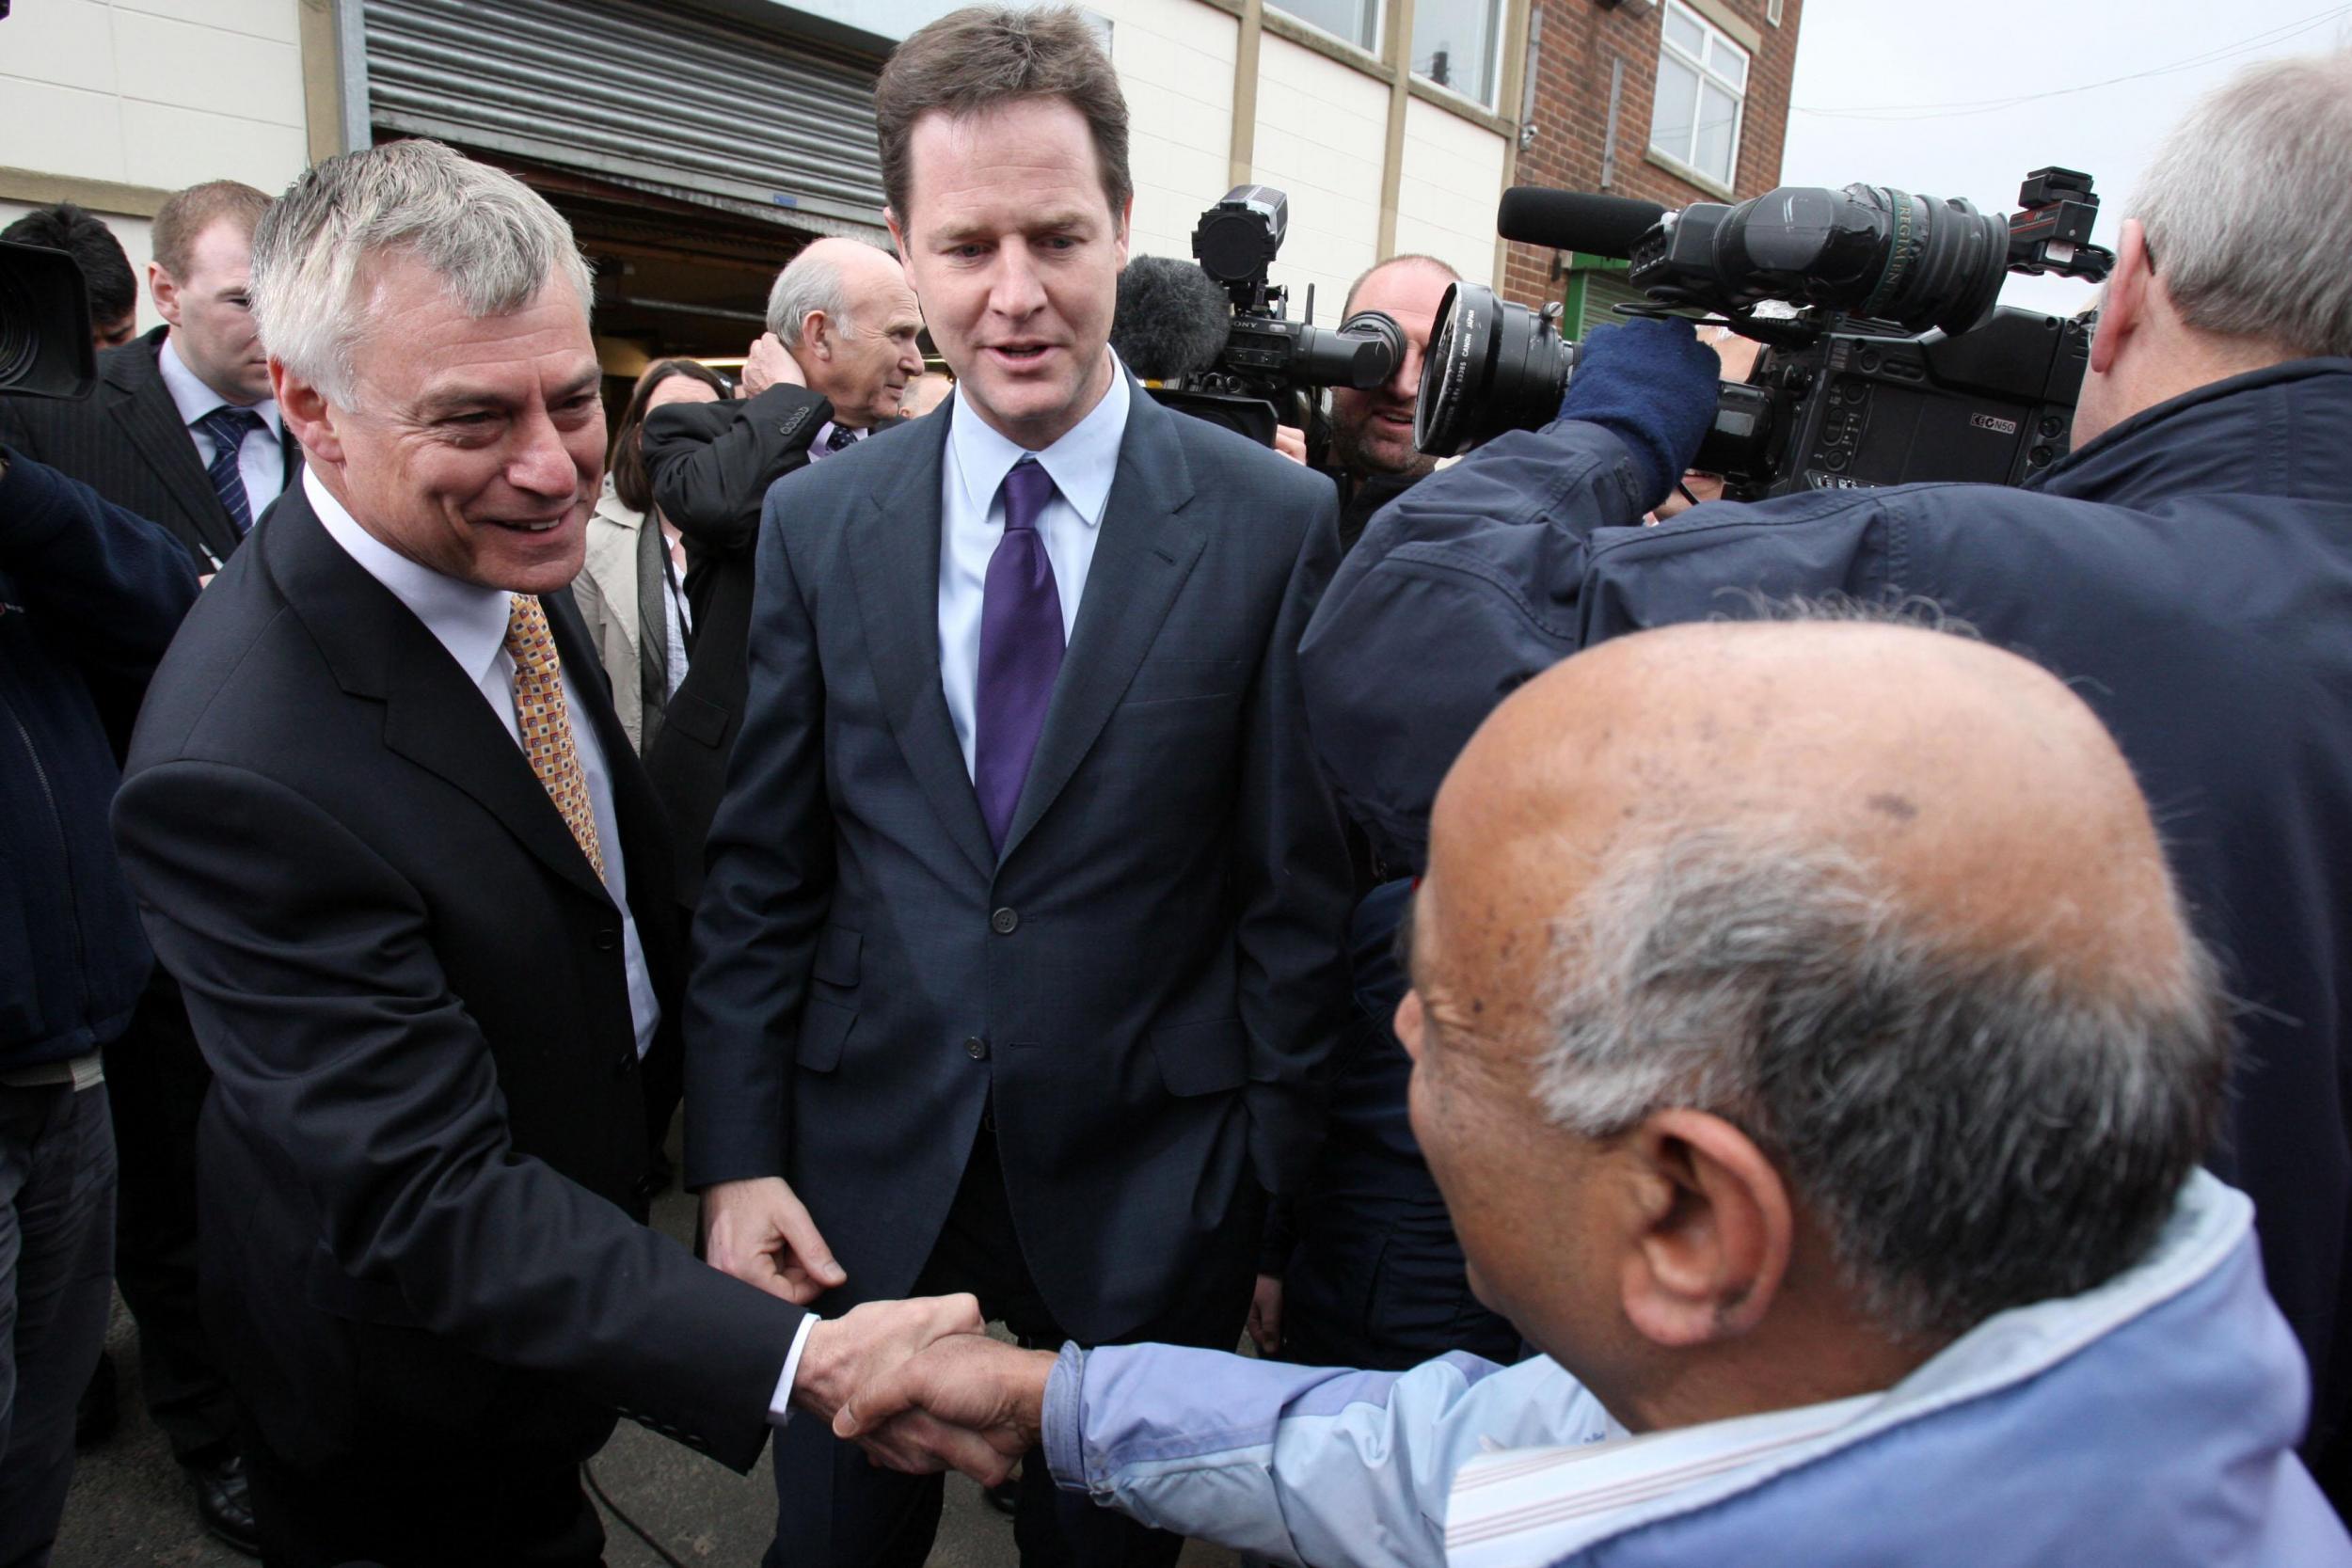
(650, 96)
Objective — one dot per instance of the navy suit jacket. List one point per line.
(1147, 981)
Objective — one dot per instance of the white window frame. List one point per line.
(1379, 28)
(1493, 66)
(1686, 157)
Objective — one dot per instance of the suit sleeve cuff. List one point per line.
(780, 1402)
(1064, 1437)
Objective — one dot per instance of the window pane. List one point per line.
(1678, 106)
(1351, 19)
(1453, 46)
(1684, 32)
(1719, 128)
(1727, 60)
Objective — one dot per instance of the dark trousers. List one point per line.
(413, 1504)
(833, 1510)
(57, 1261)
(158, 1080)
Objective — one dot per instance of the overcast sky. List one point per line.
(1896, 92)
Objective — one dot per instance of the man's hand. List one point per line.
(841, 1355)
(968, 1404)
(1291, 442)
(757, 1231)
(768, 363)
(1265, 1314)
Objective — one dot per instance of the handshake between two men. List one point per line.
(917, 1382)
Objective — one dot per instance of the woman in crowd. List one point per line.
(631, 587)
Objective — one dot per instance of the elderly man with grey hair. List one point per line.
(1816, 1060)
(831, 370)
(418, 897)
(2186, 565)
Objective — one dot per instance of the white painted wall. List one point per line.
(163, 93)
(1450, 185)
(1175, 60)
(1320, 131)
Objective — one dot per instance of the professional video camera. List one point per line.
(1836, 284)
(44, 324)
(1215, 340)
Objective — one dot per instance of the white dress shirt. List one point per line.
(261, 462)
(971, 523)
(470, 621)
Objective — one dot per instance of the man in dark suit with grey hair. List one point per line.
(1018, 959)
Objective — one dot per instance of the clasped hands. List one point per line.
(915, 1383)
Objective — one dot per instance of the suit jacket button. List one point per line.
(977, 1049)
(1004, 922)
(607, 939)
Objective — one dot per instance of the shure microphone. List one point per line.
(1172, 319)
(1575, 220)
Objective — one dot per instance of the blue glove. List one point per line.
(1651, 384)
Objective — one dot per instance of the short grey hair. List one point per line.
(493, 241)
(809, 282)
(1973, 1131)
(2248, 207)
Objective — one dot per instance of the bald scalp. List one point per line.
(1986, 796)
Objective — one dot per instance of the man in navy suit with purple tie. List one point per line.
(1018, 959)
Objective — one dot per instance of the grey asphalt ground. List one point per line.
(129, 1508)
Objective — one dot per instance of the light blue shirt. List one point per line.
(261, 462)
(971, 523)
(470, 621)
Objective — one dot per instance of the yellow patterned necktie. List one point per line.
(544, 727)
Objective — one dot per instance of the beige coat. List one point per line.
(619, 592)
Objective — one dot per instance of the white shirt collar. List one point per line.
(192, 397)
(464, 617)
(1082, 463)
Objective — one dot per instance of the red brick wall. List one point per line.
(1571, 116)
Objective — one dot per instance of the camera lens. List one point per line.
(1491, 366)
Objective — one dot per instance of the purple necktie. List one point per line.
(1021, 649)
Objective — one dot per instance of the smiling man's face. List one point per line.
(475, 444)
(1372, 431)
(1015, 253)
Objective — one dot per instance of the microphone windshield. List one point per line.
(1575, 220)
(1172, 319)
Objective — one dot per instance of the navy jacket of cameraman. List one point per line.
(89, 598)
(2190, 572)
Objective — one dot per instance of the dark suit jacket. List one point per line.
(417, 1161)
(128, 443)
(1147, 981)
(711, 465)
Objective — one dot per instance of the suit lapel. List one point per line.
(1144, 554)
(150, 422)
(433, 714)
(893, 548)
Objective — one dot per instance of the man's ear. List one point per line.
(2123, 303)
(164, 289)
(898, 242)
(1711, 1234)
(308, 414)
(818, 335)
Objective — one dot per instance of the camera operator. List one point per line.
(1372, 449)
(2185, 568)
(90, 597)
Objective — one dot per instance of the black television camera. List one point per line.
(44, 324)
(1215, 341)
(1885, 361)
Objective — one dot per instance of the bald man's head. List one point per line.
(847, 313)
(1867, 914)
